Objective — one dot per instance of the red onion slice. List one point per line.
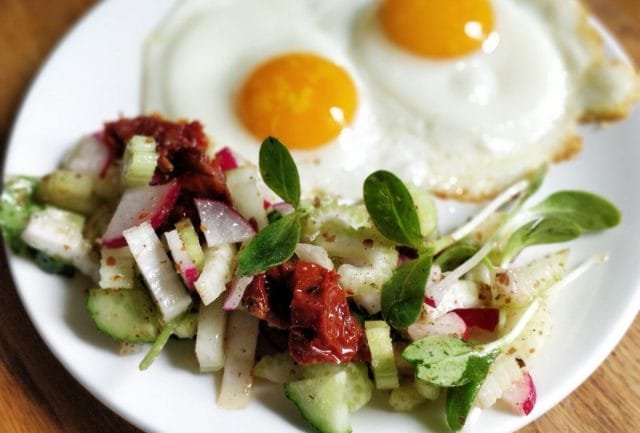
(221, 224)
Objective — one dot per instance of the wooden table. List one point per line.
(38, 395)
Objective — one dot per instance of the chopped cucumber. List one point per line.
(405, 398)
(16, 206)
(382, 358)
(358, 387)
(126, 315)
(278, 368)
(322, 402)
(58, 233)
(132, 316)
(68, 190)
(52, 265)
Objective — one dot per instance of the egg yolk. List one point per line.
(302, 99)
(437, 28)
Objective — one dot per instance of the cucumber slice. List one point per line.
(278, 368)
(322, 402)
(126, 315)
(132, 316)
(68, 190)
(359, 387)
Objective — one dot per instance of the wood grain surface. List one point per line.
(38, 395)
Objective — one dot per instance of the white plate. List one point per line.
(94, 76)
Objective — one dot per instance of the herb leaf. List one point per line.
(547, 230)
(455, 255)
(272, 246)
(279, 171)
(440, 359)
(589, 211)
(460, 398)
(392, 209)
(403, 295)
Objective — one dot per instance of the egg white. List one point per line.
(464, 128)
(196, 61)
(468, 127)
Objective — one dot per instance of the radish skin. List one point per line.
(151, 204)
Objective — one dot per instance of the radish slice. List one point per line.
(156, 268)
(242, 336)
(212, 322)
(522, 396)
(91, 155)
(226, 159)
(221, 225)
(151, 204)
(183, 261)
(483, 318)
(238, 286)
(449, 324)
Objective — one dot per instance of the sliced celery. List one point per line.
(383, 361)
(140, 160)
(191, 242)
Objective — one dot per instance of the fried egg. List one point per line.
(249, 69)
(461, 97)
(480, 92)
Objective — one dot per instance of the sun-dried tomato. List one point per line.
(181, 148)
(307, 300)
(322, 327)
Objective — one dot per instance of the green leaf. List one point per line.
(392, 209)
(279, 171)
(272, 246)
(455, 255)
(439, 359)
(535, 180)
(403, 295)
(460, 398)
(589, 211)
(541, 231)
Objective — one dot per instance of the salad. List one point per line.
(332, 300)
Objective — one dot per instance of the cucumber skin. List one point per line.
(311, 397)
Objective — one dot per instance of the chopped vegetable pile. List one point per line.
(332, 300)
